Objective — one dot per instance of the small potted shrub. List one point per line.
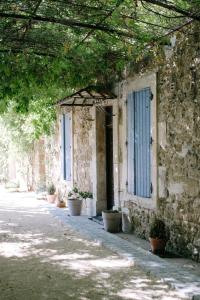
(61, 203)
(158, 236)
(74, 202)
(112, 220)
(51, 196)
(88, 197)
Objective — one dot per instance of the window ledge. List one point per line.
(148, 203)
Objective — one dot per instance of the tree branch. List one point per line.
(109, 14)
(173, 8)
(66, 22)
(28, 25)
(136, 19)
(16, 51)
(160, 14)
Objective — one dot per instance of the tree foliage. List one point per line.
(50, 48)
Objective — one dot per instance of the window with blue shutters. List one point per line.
(66, 146)
(139, 143)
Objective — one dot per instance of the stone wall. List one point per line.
(176, 134)
(38, 163)
(178, 153)
(81, 153)
(52, 156)
(82, 148)
(179, 144)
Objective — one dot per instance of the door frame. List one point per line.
(99, 167)
(109, 157)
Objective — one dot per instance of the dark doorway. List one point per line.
(109, 156)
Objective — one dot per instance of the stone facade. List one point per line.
(82, 148)
(179, 154)
(81, 153)
(178, 148)
(175, 158)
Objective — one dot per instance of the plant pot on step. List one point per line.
(157, 245)
(158, 236)
(74, 206)
(112, 220)
(88, 201)
(51, 198)
(90, 207)
(61, 204)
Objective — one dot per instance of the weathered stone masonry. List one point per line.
(82, 148)
(179, 156)
(178, 117)
(175, 83)
(81, 132)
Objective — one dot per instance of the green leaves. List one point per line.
(50, 49)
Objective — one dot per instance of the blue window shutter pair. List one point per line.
(139, 143)
(66, 146)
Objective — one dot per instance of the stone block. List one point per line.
(162, 134)
(162, 187)
(192, 188)
(176, 188)
(184, 150)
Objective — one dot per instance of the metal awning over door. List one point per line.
(87, 97)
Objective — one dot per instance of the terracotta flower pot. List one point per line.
(74, 206)
(61, 204)
(157, 245)
(112, 221)
(51, 198)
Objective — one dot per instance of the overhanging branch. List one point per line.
(173, 8)
(65, 22)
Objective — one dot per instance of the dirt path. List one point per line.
(41, 259)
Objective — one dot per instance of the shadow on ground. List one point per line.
(41, 259)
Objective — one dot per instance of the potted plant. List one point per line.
(88, 197)
(112, 220)
(51, 196)
(74, 202)
(61, 203)
(158, 236)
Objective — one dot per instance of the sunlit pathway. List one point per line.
(41, 259)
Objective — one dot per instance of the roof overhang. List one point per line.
(87, 97)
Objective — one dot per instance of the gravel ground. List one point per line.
(42, 259)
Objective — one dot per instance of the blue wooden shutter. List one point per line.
(130, 107)
(63, 146)
(68, 147)
(142, 143)
(139, 138)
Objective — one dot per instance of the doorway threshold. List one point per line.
(97, 219)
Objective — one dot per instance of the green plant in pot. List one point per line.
(51, 193)
(88, 197)
(112, 220)
(158, 236)
(61, 199)
(74, 202)
(61, 203)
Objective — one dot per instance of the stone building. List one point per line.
(138, 148)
